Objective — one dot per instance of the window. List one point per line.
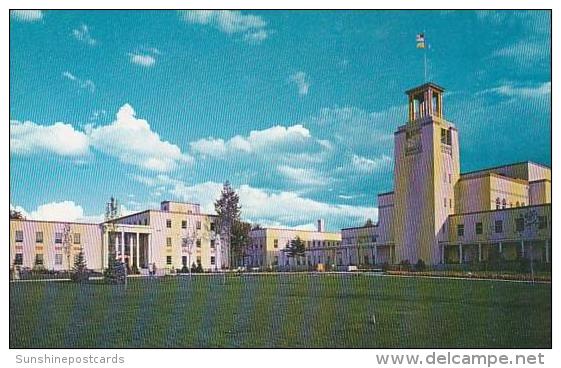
(184, 260)
(168, 260)
(542, 222)
(145, 221)
(212, 243)
(499, 226)
(504, 204)
(168, 223)
(198, 225)
(39, 237)
(479, 228)
(450, 178)
(520, 224)
(276, 243)
(445, 202)
(366, 259)
(460, 229)
(18, 261)
(517, 204)
(19, 236)
(498, 203)
(212, 226)
(212, 260)
(168, 242)
(198, 259)
(58, 238)
(522, 204)
(184, 224)
(450, 202)
(276, 261)
(76, 238)
(39, 259)
(58, 259)
(510, 204)
(198, 243)
(374, 239)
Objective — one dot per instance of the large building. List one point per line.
(177, 234)
(268, 247)
(438, 214)
(435, 214)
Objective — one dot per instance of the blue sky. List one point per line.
(296, 109)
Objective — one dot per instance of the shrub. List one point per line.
(420, 265)
(79, 272)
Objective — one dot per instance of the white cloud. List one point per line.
(27, 15)
(83, 34)
(144, 60)
(258, 141)
(366, 165)
(513, 90)
(84, 84)
(302, 176)
(301, 81)
(230, 22)
(268, 207)
(58, 211)
(133, 142)
(59, 138)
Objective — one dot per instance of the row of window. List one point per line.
(75, 238)
(39, 259)
(185, 242)
(184, 225)
(519, 226)
(499, 203)
(184, 260)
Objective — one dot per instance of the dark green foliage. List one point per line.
(116, 272)
(80, 272)
(16, 215)
(240, 240)
(295, 248)
(228, 210)
(420, 265)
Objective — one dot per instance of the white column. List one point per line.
(442, 253)
(138, 250)
(547, 251)
(131, 251)
(522, 249)
(500, 248)
(122, 245)
(117, 245)
(105, 249)
(461, 254)
(480, 255)
(150, 249)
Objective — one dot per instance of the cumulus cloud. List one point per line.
(129, 139)
(300, 79)
(230, 22)
(133, 142)
(81, 83)
(258, 141)
(144, 60)
(276, 207)
(82, 34)
(59, 138)
(366, 165)
(27, 15)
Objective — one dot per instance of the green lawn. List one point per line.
(282, 311)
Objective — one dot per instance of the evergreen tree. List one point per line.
(16, 215)
(115, 273)
(296, 248)
(80, 271)
(240, 240)
(228, 210)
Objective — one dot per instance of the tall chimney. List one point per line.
(321, 225)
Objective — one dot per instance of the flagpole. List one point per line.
(425, 50)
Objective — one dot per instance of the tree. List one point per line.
(228, 210)
(80, 271)
(115, 273)
(240, 240)
(16, 215)
(368, 223)
(295, 248)
(67, 243)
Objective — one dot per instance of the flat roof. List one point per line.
(507, 165)
(501, 209)
(424, 86)
(59, 222)
(289, 229)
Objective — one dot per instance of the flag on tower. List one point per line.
(421, 41)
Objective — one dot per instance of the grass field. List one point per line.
(281, 311)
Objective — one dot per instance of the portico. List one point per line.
(132, 244)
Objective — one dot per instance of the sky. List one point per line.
(297, 109)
